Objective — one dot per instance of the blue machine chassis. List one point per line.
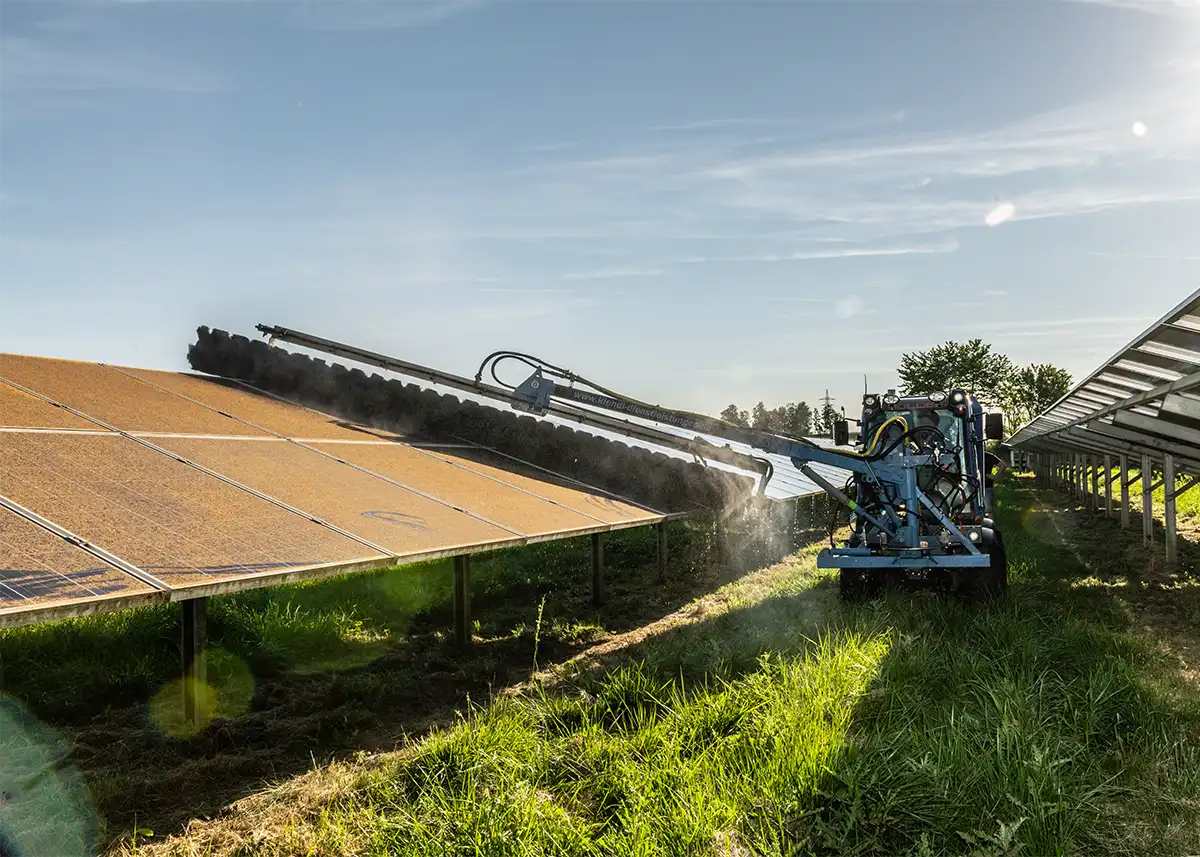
(861, 558)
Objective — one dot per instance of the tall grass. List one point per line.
(785, 723)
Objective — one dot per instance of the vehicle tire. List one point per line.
(984, 584)
(858, 584)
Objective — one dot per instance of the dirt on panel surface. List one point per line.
(572, 494)
(258, 408)
(117, 399)
(38, 568)
(22, 410)
(502, 502)
(183, 526)
(370, 507)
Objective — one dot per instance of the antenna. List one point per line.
(865, 390)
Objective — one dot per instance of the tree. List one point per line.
(971, 366)
(1032, 389)
(758, 416)
(732, 415)
(826, 419)
(800, 420)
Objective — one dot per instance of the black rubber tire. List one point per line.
(858, 584)
(987, 583)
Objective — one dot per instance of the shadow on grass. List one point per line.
(1029, 725)
(316, 672)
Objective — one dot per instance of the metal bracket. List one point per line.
(947, 523)
(1179, 492)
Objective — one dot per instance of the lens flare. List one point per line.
(225, 694)
(44, 806)
(1001, 213)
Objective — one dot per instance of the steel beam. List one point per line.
(661, 532)
(1147, 505)
(462, 600)
(1108, 480)
(195, 671)
(1123, 464)
(597, 569)
(1172, 552)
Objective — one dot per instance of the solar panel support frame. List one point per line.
(598, 594)
(1123, 464)
(462, 600)
(194, 627)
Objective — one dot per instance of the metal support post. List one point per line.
(1169, 507)
(462, 600)
(1147, 504)
(1108, 498)
(1123, 464)
(195, 670)
(597, 569)
(661, 532)
(1095, 465)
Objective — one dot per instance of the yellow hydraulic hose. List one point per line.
(875, 440)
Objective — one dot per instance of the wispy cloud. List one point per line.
(331, 15)
(39, 66)
(1153, 257)
(1077, 160)
(350, 16)
(835, 252)
(613, 273)
(1153, 7)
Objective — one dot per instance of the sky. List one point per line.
(695, 203)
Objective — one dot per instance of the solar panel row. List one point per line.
(202, 486)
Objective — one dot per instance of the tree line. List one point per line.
(795, 419)
(1021, 392)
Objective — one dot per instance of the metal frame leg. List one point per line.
(462, 600)
(1172, 552)
(1108, 480)
(598, 593)
(194, 614)
(661, 532)
(1123, 464)
(1147, 503)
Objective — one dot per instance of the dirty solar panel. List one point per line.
(123, 402)
(261, 409)
(499, 501)
(601, 506)
(181, 525)
(399, 520)
(19, 409)
(38, 569)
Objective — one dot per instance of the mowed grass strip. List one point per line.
(771, 719)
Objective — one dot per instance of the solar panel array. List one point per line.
(1144, 400)
(121, 487)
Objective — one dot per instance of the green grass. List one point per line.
(780, 722)
(1187, 507)
(117, 659)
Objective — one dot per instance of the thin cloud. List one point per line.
(31, 65)
(337, 15)
(372, 15)
(1151, 7)
(948, 246)
(613, 273)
